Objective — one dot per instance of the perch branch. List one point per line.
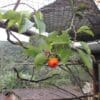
(15, 43)
(8, 38)
(19, 42)
(33, 81)
(15, 29)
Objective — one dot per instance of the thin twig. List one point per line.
(33, 81)
(20, 4)
(74, 77)
(8, 38)
(76, 68)
(19, 42)
(17, 4)
(8, 32)
(72, 22)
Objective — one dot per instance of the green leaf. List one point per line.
(86, 47)
(11, 23)
(38, 17)
(55, 38)
(25, 14)
(79, 14)
(1, 16)
(86, 58)
(25, 25)
(85, 29)
(31, 51)
(67, 31)
(43, 45)
(40, 60)
(41, 42)
(52, 36)
(11, 15)
(65, 36)
(62, 50)
(64, 55)
(82, 6)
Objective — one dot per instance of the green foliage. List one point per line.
(85, 29)
(10, 14)
(0, 16)
(19, 19)
(40, 60)
(42, 43)
(82, 7)
(64, 54)
(11, 23)
(86, 47)
(25, 14)
(25, 25)
(86, 58)
(67, 31)
(79, 14)
(62, 50)
(54, 37)
(31, 51)
(60, 45)
(38, 17)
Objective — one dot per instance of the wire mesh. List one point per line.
(58, 15)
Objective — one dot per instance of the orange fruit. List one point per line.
(53, 62)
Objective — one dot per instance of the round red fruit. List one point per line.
(53, 62)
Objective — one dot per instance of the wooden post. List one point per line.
(96, 84)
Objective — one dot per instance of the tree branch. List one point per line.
(8, 32)
(8, 38)
(33, 81)
(17, 4)
(15, 29)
